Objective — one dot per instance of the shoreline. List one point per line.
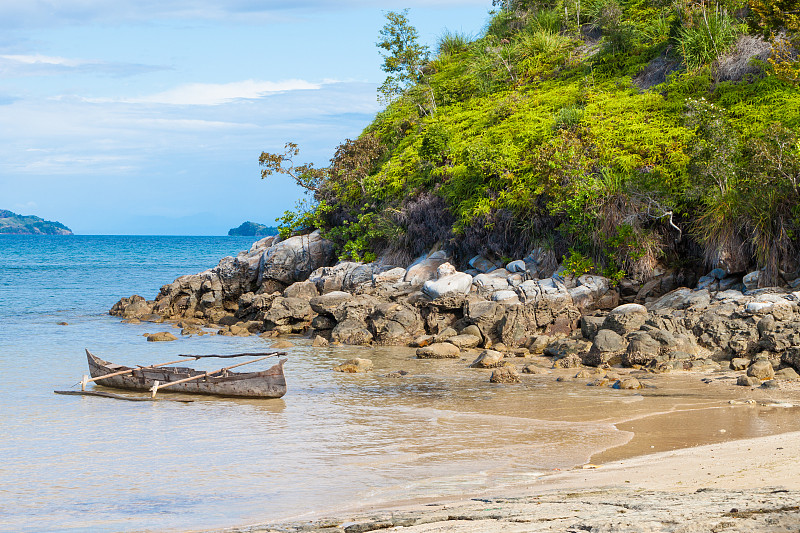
(744, 485)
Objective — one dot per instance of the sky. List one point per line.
(148, 116)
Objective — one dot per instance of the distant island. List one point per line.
(251, 229)
(14, 224)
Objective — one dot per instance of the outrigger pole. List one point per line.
(157, 385)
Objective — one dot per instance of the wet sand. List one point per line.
(698, 453)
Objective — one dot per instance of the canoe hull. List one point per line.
(270, 383)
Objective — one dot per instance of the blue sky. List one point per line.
(148, 116)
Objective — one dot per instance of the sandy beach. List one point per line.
(743, 485)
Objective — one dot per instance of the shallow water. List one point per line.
(335, 440)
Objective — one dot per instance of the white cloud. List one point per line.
(38, 59)
(43, 65)
(208, 94)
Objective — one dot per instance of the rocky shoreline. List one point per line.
(496, 312)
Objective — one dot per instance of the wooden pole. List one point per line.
(87, 379)
(157, 385)
(228, 356)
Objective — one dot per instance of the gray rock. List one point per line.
(464, 341)
(761, 369)
(490, 283)
(534, 369)
(351, 331)
(751, 280)
(445, 334)
(488, 359)
(626, 318)
(739, 363)
(642, 348)
(505, 374)
(748, 381)
(787, 374)
(355, 365)
(396, 323)
(332, 278)
(506, 296)
(440, 350)
(287, 310)
(425, 268)
(161, 336)
(481, 264)
(472, 329)
(457, 283)
(590, 325)
(608, 340)
(516, 266)
(295, 258)
(323, 322)
(329, 302)
(758, 308)
(627, 383)
(301, 289)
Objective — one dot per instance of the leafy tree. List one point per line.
(306, 176)
(403, 59)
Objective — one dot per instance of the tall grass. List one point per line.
(705, 37)
(452, 43)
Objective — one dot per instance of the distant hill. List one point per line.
(12, 223)
(252, 229)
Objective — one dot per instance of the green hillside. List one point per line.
(252, 229)
(623, 136)
(12, 223)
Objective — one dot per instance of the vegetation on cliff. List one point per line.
(252, 229)
(12, 223)
(621, 136)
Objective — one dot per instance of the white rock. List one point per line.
(751, 280)
(458, 283)
(506, 296)
(516, 266)
(758, 308)
(492, 283)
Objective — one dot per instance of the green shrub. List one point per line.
(568, 117)
(576, 264)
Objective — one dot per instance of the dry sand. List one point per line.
(744, 485)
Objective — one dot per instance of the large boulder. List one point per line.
(351, 331)
(286, 311)
(642, 348)
(425, 268)
(396, 323)
(488, 359)
(329, 302)
(439, 350)
(626, 318)
(448, 282)
(295, 258)
(354, 366)
(301, 289)
(505, 374)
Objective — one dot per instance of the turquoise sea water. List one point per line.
(90, 464)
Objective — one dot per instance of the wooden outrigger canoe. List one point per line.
(270, 383)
